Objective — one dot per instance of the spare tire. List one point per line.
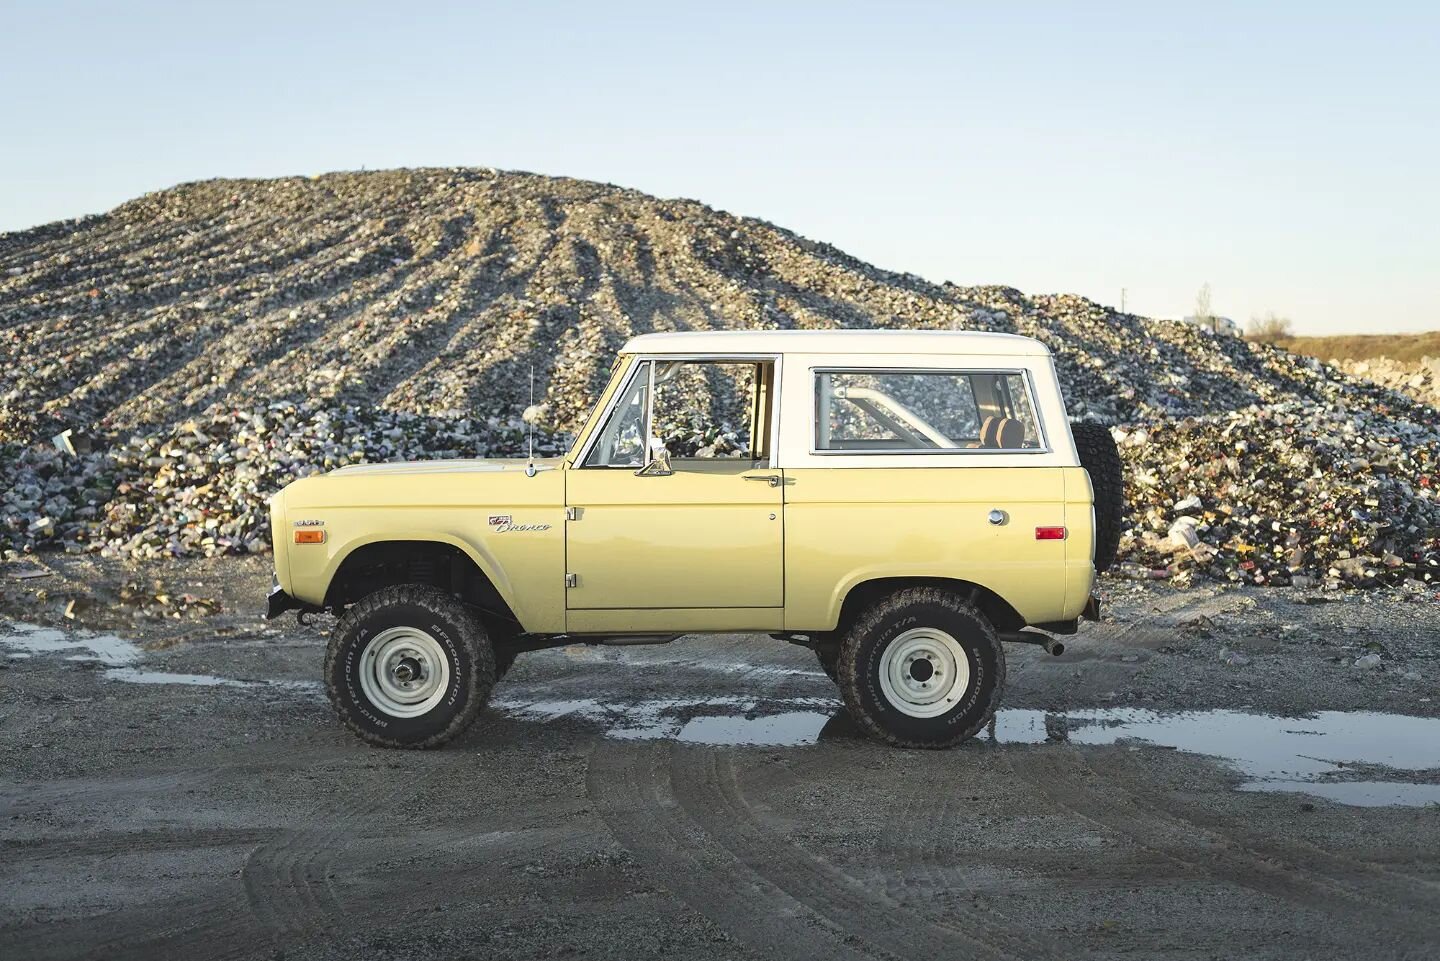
(1101, 460)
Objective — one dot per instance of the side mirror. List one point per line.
(658, 464)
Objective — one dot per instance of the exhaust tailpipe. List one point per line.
(1053, 646)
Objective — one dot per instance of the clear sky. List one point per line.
(1288, 154)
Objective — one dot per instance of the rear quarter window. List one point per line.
(861, 411)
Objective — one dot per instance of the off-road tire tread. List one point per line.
(828, 658)
(1101, 460)
(472, 637)
(870, 621)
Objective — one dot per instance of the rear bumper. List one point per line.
(1091, 612)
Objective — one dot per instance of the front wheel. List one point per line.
(829, 655)
(922, 668)
(409, 666)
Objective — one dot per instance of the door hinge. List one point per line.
(572, 513)
(572, 580)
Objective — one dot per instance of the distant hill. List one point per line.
(433, 291)
(1402, 347)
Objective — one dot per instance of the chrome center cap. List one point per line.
(407, 670)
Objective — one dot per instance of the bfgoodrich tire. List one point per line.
(409, 667)
(921, 668)
(828, 655)
(1101, 460)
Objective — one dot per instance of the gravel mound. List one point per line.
(211, 342)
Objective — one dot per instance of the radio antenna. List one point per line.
(530, 426)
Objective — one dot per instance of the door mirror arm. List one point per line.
(658, 463)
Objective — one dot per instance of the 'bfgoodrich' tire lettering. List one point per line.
(459, 633)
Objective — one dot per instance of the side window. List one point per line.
(622, 440)
(864, 411)
(704, 409)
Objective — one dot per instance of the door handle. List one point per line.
(772, 479)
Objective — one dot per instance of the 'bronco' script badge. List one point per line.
(502, 523)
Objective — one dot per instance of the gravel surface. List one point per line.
(208, 343)
(176, 786)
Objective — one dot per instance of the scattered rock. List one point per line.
(1418, 379)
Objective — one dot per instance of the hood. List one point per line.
(477, 465)
(456, 483)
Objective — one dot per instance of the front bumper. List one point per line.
(278, 603)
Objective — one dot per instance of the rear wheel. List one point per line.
(921, 668)
(409, 666)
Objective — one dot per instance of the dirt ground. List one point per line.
(177, 787)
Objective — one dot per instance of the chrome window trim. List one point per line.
(1030, 395)
(686, 358)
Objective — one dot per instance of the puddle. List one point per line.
(132, 675)
(1355, 758)
(711, 720)
(26, 640)
(1319, 754)
(774, 730)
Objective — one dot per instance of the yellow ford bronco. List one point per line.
(901, 502)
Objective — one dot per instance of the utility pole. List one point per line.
(1122, 300)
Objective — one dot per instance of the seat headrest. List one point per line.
(1002, 433)
(987, 432)
(1009, 434)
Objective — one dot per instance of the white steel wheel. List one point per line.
(404, 671)
(924, 672)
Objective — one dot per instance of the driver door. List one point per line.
(690, 545)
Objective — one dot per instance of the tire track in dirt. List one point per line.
(1066, 782)
(285, 892)
(681, 813)
(288, 881)
(715, 796)
(937, 809)
(631, 787)
(124, 842)
(133, 931)
(1376, 883)
(217, 914)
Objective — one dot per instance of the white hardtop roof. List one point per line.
(870, 341)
